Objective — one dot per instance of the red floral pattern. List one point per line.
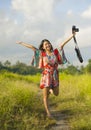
(50, 76)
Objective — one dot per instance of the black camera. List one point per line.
(74, 29)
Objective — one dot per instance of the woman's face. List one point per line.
(47, 46)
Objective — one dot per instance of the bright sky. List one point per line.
(33, 20)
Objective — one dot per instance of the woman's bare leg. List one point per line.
(45, 99)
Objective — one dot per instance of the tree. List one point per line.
(1, 65)
(72, 70)
(7, 63)
(88, 67)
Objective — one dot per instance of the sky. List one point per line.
(31, 21)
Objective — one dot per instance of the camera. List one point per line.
(74, 29)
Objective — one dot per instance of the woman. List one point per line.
(48, 60)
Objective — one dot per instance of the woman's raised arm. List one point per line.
(27, 45)
(65, 42)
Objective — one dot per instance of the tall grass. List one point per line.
(75, 100)
(21, 105)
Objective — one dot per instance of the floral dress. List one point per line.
(50, 76)
(49, 64)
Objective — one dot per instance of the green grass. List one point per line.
(75, 100)
(21, 105)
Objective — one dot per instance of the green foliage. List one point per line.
(72, 70)
(7, 63)
(75, 100)
(88, 67)
(21, 105)
(1, 65)
(22, 68)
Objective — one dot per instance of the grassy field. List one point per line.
(21, 105)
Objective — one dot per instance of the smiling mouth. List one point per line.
(47, 47)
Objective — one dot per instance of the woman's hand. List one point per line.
(74, 33)
(18, 42)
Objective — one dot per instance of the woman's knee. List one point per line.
(45, 97)
(45, 93)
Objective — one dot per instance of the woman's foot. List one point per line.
(51, 91)
(49, 116)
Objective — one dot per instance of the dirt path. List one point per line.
(62, 123)
(61, 119)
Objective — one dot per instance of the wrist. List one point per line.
(62, 46)
(73, 34)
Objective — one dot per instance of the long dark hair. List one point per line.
(41, 45)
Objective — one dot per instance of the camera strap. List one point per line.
(76, 44)
(77, 50)
(75, 41)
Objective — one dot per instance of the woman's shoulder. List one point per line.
(43, 54)
(55, 51)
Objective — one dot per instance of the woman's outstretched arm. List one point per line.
(65, 42)
(27, 45)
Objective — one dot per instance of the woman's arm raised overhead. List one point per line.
(27, 45)
(65, 42)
